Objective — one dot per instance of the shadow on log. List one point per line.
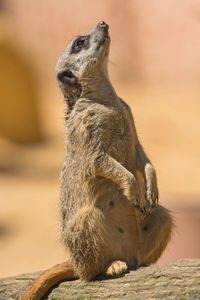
(177, 281)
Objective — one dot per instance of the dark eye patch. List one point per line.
(80, 43)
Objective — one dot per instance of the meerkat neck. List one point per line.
(97, 88)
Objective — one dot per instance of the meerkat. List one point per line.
(110, 219)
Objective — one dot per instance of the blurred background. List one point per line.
(154, 66)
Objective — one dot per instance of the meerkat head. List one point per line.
(83, 61)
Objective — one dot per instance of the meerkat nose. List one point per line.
(103, 24)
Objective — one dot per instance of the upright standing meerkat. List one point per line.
(109, 216)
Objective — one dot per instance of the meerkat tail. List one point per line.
(50, 277)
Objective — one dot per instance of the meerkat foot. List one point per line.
(116, 268)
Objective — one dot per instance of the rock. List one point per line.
(180, 280)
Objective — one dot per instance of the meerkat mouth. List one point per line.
(104, 42)
(101, 43)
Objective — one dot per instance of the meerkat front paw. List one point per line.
(152, 195)
(133, 194)
(151, 186)
(117, 268)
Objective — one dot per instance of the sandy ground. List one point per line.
(168, 125)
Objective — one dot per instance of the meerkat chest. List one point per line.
(99, 127)
(122, 144)
(89, 127)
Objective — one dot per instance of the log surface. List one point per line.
(180, 280)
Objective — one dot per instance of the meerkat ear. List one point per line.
(67, 77)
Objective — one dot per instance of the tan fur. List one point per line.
(48, 279)
(110, 220)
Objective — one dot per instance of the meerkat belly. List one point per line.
(121, 222)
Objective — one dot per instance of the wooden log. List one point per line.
(180, 280)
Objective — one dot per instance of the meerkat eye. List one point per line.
(80, 43)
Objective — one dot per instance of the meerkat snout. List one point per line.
(103, 24)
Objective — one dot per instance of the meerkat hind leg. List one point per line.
(156, 233)
(116, 268)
